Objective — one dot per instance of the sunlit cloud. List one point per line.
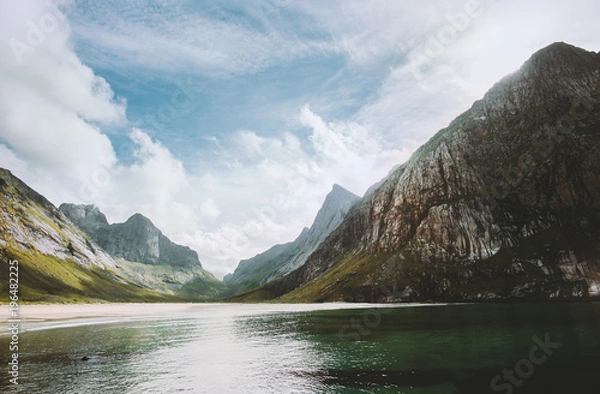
(227, 125)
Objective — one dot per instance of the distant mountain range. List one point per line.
(135, 240)
(280, 260)
(144, 254)
(73, 254)
(504, 203)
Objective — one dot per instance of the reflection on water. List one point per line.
(300, 349)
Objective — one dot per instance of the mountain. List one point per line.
(60, 262)
(135, 240)
(503, 203)
(57, 262)
(143, 252)
(280, 260)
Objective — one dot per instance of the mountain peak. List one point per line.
(339, 193)
(337, 204)
(84, 216)
(559, 48)
(553, 77)
(561, 56)
(511, 183)
(78, 245)
(282, 259)
(137, 239)
(139, 219)
(337, 187)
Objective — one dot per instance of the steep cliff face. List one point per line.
(30, 222)
(144, 255)
(135, 240)
(86, 217)
(60, 262)
(56, 260)
(280, 260)
(504, 202)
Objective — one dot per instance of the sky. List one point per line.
(228, 122)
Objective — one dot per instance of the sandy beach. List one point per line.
(71, 311)
(49, 316)
(36, 317)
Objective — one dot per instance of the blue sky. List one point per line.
(227, 122)
(221, 96)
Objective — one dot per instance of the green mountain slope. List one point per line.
(58, 262)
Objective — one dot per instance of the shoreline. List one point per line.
(35, 317)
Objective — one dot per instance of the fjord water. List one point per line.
(319, 349)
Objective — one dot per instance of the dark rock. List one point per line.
(135, 240)
(515, 178)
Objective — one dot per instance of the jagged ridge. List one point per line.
(283, 259)
(57, 261)
(138, 239)
(502, 203)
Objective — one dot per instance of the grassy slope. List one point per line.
(167, 279)
(249, 283)
(45, 278)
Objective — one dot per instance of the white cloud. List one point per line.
(255, 190)
(154, 185)
(449, 57)
(50, 103)
(379, 30)
(160, 174)
(349, 153)
(9, 160)
(171, 37)
(235, 212)
(209, 209)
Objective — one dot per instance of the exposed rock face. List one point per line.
(86, 217)
(283, 259)
(144, 255)
(135, 240)
(57, 261)
(60, 262)
(504, 202)
(30, 223)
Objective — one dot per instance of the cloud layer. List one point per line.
(279, 100)
(52, 106)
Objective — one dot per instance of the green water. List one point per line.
(308, 349)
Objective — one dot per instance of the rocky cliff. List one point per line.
(280, 260)
(60, 261)
(137, 239)
(503, 203)
(57, 261)
(143, 253)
